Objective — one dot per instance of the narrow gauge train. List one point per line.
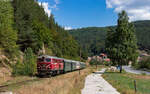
(49, 65)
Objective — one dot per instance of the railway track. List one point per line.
(5, 88)
(9, 87)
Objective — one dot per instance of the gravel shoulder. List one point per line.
(95, 84)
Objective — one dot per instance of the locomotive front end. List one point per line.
(44, 65)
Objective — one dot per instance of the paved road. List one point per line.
(131, 70)
(95, 84)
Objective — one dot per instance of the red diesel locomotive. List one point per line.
(49, 65)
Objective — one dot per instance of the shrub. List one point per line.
(28, 67)
(107, 63)
(95, 62)
(18, 68)
(144, 63)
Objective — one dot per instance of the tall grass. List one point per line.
(70, 83)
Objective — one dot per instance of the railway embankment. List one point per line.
(69, 83)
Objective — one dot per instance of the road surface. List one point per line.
(131, 70)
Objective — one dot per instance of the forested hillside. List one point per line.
(24, 24)
(92, 39)
(143, 34)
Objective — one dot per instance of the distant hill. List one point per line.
(143, 33)
(92, 39)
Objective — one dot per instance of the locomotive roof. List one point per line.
(47, 56)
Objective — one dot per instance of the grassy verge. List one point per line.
(124, 82)
(70, 83)
(16, 82)
(17, 79)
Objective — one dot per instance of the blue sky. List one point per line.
(99, 13)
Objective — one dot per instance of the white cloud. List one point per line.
(48, 7)
(136, 9)
(68, 28)
(45, 5)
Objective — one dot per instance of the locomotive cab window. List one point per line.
(48, 60)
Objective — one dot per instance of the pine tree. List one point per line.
(42, 35)
(52, 23)
(123, 45)
(28, 66)
(26, 12)
(29, 62)
(8, 36)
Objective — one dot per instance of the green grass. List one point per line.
(124, 82)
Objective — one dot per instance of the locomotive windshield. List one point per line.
(48, 60)
(43, 59)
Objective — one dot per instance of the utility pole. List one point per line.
(80, 60)
(96, 62)
(135, 86)
(80, 53)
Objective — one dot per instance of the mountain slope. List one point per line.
(92, 39)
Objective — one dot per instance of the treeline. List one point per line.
(24, 24)
(92, 39)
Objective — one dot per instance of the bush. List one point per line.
(144, 63)
(18, 68)
(28, 67)
(95, 62)
(107, 63)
